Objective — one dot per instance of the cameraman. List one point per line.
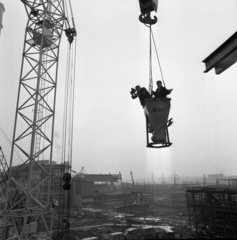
(142, 93)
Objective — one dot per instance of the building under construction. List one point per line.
(213, 210)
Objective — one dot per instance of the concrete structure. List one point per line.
(97, 190)
(112, 199)
(102, 177)
(2, 10)
(231, 182)
(140, 197)
(213, 211)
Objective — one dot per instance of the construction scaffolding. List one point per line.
(213, 210)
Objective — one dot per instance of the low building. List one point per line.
(90, 238)
(147, 232)
(132, 234)
(167, 232)
(94, 213)
(112, 199)
(116, 236)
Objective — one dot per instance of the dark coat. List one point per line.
(143, 94)
(161, 92)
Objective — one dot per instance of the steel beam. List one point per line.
(223, 57)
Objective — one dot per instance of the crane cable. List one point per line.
(150, 67)
(66, 12)
(151, 37)
(69, 100)
(68, 103)
(61, 201)
(69, 95)
(68, 116)
(162, 77)
(73, 23)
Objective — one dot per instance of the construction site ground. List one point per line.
(156, 215)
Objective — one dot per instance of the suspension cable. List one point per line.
(64, 137)
(150, 60)
(150, 67)
(68, 117)
(158, 58)
(66, 11)
(73, 23)
(65, 109)
(73, 94)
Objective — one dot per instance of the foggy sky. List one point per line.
(112, 57)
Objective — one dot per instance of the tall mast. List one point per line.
(36, 93)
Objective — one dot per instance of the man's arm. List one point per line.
(134, 95)
(168, 91)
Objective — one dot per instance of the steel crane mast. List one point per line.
(36, 94)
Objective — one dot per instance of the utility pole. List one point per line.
(204, 180)
(132, 180)
(162, 179)
(121, 181)
(175, 177)
(152, 180)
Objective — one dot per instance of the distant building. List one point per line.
(212, 178)
(97, 190)
(38, 175)
(2, 10)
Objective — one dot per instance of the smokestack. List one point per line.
(2, 10)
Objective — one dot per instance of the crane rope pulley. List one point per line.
(156, 109)
(70, 31)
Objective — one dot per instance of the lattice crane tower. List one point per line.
(37, 92)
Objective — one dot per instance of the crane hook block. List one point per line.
(157, 114)
(147, 19)
(146, 7)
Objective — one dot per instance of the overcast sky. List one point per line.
(112, 57)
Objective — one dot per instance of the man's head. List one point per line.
(159, 83)
(138, 88)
